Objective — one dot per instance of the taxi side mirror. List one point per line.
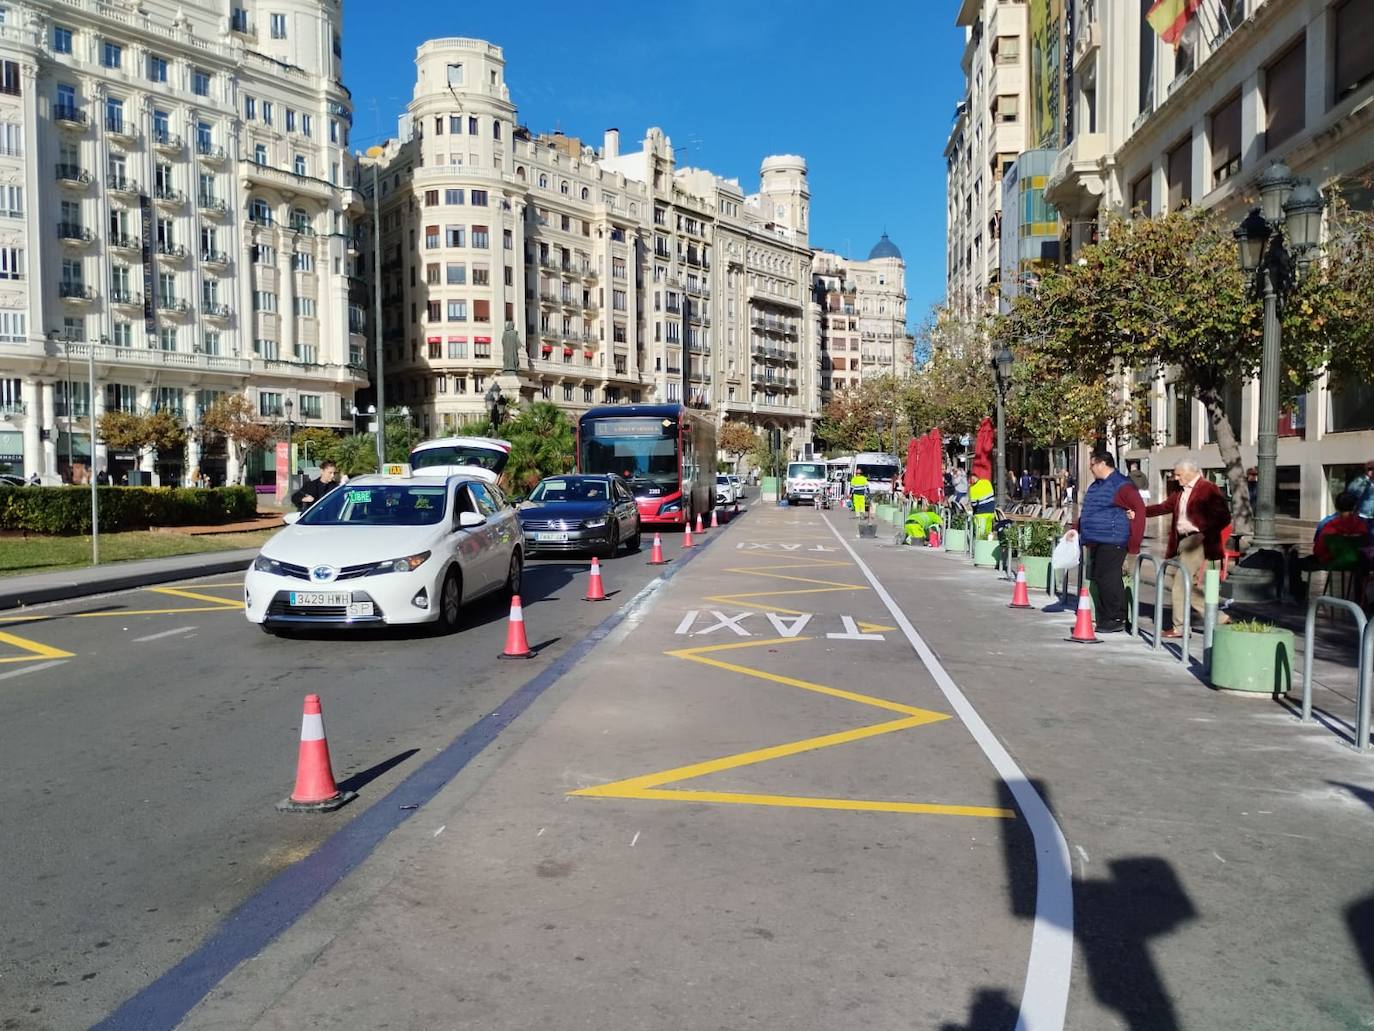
(291, 518)
(469, 520)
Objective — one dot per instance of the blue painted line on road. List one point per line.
(291, 894)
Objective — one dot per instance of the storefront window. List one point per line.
(1350, 406)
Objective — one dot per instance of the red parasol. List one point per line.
(982, 450)
(911, 476)
(933, 483)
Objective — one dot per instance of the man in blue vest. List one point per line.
(1111, 523)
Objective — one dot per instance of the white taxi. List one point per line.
(387, 549)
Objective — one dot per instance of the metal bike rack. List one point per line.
(1186, 640)
(1140, 561)
(1364, 653)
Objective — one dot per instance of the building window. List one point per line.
(472, 125)
(299, 164)
(1285, 95)
(431, 236)
(457, 274)
(269, 403)
(1354, 64)
(260, 153)
(260, 211)
(453, 196)
(1225, 136)
(10, 80)
(200, 83)
(481, 348)
(1007, 108)
(454, 236)
(290, 119)
(278, 23)
(1180, 171)
(457, 311)
(111, 55)
(267, 112)
(157, 68)
(480, 237)
(250, 108)
(481, 311)
(61, 40)
(457, 347)
(1007, 49)
(478, 198)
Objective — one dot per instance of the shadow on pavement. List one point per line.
(1359, 915)
(1115, 919)
(991, 1011)
(357, 781)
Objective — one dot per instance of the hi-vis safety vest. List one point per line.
(979, 491)
(858, 484)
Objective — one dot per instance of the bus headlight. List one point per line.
(672, 506)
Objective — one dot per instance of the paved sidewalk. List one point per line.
(36, 588)
(1220, 850)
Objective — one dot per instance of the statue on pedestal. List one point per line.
(510, 349)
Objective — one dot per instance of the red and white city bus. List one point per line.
(666, 453)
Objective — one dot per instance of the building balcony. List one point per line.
(304, 185)
(121, 131)
(1075, 182)
(175, 251)
(123, 297)
(76, 292)
(215, 310)
(241, 25)
(73, 175)
(69, 116)
(167, 142)
(74, 233)
(548, 297)
(210, 153)
(213, 206)
(124, 187)
(173, 306)
(169, 196)
(218, 258)
(1087, 36)
(124, 242)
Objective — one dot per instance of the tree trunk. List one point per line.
(1242, 517)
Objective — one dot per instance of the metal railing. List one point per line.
(1363, 654)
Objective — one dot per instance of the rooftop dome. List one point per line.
(884, 248)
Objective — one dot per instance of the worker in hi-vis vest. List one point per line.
(858, 492)
(981, 497)
(918, 524)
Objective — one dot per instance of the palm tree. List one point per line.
(541, 439)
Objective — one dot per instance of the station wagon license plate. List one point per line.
(552, 537)
(320, 599)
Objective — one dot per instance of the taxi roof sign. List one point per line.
(396, 469)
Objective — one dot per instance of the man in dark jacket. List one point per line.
(1111, 523)
(1198, 513)
(312, 490)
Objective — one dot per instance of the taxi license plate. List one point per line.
(559, 537)
(319, 599)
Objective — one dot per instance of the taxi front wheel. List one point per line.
(450, 602)
(514, 574)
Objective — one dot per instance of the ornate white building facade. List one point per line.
(176, 199)
(626, 277)
(863, 317)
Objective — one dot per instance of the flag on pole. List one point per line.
(1168, 18)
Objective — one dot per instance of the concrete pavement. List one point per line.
(39, 588)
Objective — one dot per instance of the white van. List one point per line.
(804, 481)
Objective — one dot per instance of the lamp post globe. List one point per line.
(1274, 187)
(1251, 236)
(1302, 215)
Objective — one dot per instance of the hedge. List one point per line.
(67, 510)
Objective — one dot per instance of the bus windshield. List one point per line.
(806, 470)
(642, 450)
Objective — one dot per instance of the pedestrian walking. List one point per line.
(1362, 487)
(312, 490)
(960, 484)
(1027, 485)
(1112, 525)
(1198, 514)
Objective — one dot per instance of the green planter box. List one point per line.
(1037, 572)
(1258, 664)
(955, 540)
(986, 553)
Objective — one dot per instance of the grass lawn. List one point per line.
(47, 554)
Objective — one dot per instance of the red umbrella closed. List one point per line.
(982, 450)
(911, 477)
(933, 488)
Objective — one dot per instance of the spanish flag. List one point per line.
(1168, 17)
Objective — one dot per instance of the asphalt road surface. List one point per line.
(147, 735)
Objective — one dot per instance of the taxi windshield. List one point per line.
(569, 488)
(378, 504)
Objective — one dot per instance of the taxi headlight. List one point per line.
(594, 524)
(263, 564)
(400, 565)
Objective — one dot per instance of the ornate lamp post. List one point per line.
(289, 407)
(496, 404)
(1002, 362)
(1275, 243)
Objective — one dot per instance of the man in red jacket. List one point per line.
(1198, 515)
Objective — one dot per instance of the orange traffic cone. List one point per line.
(595, 592)
(700, 528)
(1083, 632)
(656, 556)
(315, 790)
(714, 524)
(687, 534)
(1020, 596)
(517, 647)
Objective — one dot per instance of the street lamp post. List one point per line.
(290, 407)
(1293, 210)
(1001, 364)
(379, 383)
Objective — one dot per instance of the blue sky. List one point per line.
(865, 90)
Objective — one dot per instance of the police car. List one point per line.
(394, 548)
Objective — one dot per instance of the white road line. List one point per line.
(634, 840)
(440, 830)
(31, 669)
(1045, 998)
(165, 633)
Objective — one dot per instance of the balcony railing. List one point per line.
(122, 185)
(212, 204)
(215, 310)
(121, 128)
(74, 174)
(74, 231)
(169, 195)
(173, 305)
(70, 114)
(124, 242)
(214, 257)
(70, 291)
(165, 140)
(123, 295)
(171, 250)
(209, 151)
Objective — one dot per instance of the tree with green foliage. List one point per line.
(234, 417)
(736, 439)
(541, 438)
(160, 431)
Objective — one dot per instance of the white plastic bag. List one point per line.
(1066, 552)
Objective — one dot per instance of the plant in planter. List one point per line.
(1251, 657)
(1036, 539)
(956, 532)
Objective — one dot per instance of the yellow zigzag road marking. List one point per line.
(36, 650)
(179, 592)
(825, 586)
(649, 786)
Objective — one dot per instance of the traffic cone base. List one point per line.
(656, 556)
(1020, 595)
(1083, 632)
(687, 535)
(315, 790)
(517, 647)
(595, 590)
(714, 523)
(700, 527)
